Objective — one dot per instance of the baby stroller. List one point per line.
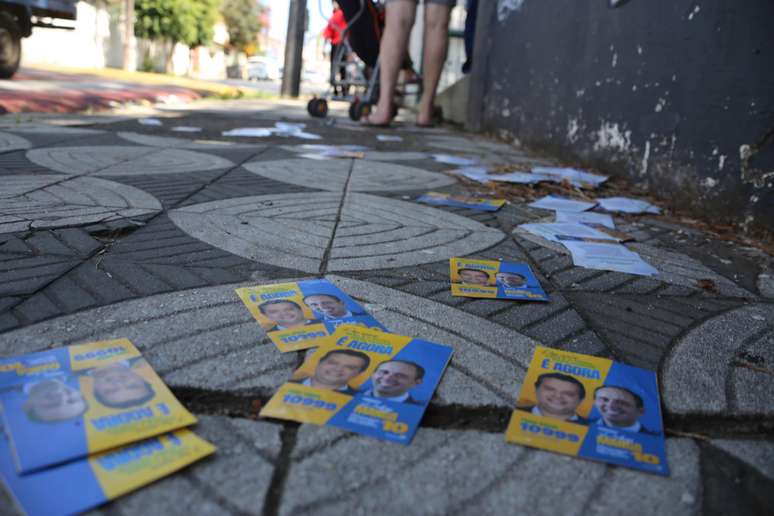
(357, 80)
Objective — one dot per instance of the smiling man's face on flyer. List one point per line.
(52, 400)
(285, 314)
(557, 398)
(329, 306)
(117, 384)
(338, 369)
(393, 379)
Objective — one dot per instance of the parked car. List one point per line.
(263, 69)
(17, 17)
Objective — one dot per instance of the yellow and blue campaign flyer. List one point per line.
(70, 402)
(590, 407)
(494, 279)
(301, 315)
(461, 201)
(366, 381)
(85, 483)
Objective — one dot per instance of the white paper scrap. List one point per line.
(524, 178)
(552, 202)
(609, 257)
(388, 138)
(453, 160)
(576, 177)
(627, 205)
(562, 231)
(586, 217)
(479, 174)
(149, 121)
(255, 132)
(186, 129)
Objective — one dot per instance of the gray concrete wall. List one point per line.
(676, 94)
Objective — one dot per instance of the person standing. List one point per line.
(399, 19)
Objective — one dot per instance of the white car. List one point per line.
(262, 69)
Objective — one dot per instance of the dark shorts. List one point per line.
(450, 3)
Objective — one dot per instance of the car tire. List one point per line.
(10, 46)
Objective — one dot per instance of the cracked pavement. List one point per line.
(111, 229)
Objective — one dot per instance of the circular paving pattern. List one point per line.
(723, 366)
(11, 142)
(295, 230)
(29, 202)
(205, 338)
(170, 142)
(33, 128)
(124, 160)
(367, 176)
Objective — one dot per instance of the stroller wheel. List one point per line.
(353, 111)
(317, 108)
(362, 109)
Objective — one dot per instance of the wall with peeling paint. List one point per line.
(676, 94)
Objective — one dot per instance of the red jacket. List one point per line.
(335, 27)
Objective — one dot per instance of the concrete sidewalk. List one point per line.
(71, 90)
(111, 229)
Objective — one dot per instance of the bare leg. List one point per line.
(436, 42)
(397, 26)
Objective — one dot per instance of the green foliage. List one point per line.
(242, 19)
(176, 21)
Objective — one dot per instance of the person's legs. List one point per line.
(397, 26)
(436, 42)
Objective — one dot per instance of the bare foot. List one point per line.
(378, 118)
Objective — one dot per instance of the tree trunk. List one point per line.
(128, 33)
(168, 60)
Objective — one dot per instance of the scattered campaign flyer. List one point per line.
(524, 178)
(553, 202)
(461, 201)
(627, 205)
(70, 402)
(454, 160)
(608, 257)
(85, 483)
(595, 220)
(474, 173)
(300, 315)
(494, 279)
(567, 231)
(590, 407)
(576, 177)
(365, 381)
(389, 138)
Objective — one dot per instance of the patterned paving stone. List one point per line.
(124, 160)
(10, 142)
(366, 232)
(337, 473)
(34, 202)
(205, 339)
(171, 142)
(360, 175)
(758, 454)
(640, 329)
(372, 155)
(723, 366)
(36, 128)
(27, 264)
(200, 338)
(154, 259)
